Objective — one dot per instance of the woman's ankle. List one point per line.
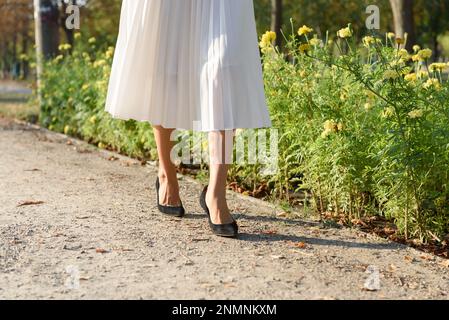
(165, 176)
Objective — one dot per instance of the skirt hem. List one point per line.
(188, 128)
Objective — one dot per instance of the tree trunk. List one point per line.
(46, 17)
(276, 19)
(69, 33)
(404, 20)
(50, 27)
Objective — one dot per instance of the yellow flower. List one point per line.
(316, 42)
(340, 126)
(411, 77)
(403, 53)
(345, 33)
(99, 63)
(424, 54)
(102, 84)
(85, 87)
(59, 58)
(438, 67)
(390, 75)
(388, 112)
(271, 36)
(92, 40)
(415, 114)
(66, 129)
(432, 83)
(110, 52)
(416, 48)
(267, 39)
(391, 35)
(368, 106)
(77, 35)
(325, 134)
(304, 30)
(330, 125)
(101, 145)
(305, 47)
(65, 47)
(93, 119)
(368, 40)
(416, 58)
(267, 50)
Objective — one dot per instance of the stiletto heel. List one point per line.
(229, 230)
(168, 210)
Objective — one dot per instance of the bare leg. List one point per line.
(169, 187)
(220, 150)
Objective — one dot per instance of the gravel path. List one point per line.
(97, 234)
(13, 87)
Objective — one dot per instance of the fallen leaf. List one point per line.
(300, 245)
(277, 257)
(99, 250)
(269, 232)
(428, 258)
(29, 203)
(409, 259)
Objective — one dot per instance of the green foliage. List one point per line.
(365, 130)
(73, 94)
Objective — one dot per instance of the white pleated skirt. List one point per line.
(188, 64)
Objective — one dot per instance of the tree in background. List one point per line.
(16, 19)
(49, 14)
(432, 25)
(100, 19)
(404, 21)
(277, 19)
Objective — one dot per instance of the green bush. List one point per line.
(366, 126)
(73, 91)
(363, 128)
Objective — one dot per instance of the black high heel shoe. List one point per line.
(229, 230)
(169, 210)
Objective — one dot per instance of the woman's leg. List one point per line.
(220, 153)
(169, 187)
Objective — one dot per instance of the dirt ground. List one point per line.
(81, 223)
